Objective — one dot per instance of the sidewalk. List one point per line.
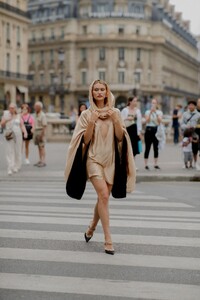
(170, 162)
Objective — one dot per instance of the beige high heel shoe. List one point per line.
(109, 251)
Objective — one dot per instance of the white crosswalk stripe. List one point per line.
(43, 249)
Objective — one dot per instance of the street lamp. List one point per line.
(64, 81)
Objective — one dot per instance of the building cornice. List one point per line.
(7, 8)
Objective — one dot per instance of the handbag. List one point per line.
(75, 185)
(9, 134)
(140, 146)
(28, 127)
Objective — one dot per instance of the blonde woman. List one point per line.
(13, 123)
(101, 129)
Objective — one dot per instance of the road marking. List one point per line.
(101, 287)
(114, 211)
(117, 238)
(147, 261)
(114, 223)
(131, 202)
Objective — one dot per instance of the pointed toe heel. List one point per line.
(109, 251)
(89, 236)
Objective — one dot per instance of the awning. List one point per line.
(22, 89)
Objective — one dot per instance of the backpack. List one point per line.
(28, 129)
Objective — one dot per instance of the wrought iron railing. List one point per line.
(13, 9)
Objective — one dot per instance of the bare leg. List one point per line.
(94, 221)
(103, 191)
(27, 148)
(145, 162)
(155, 161)
(42, 154)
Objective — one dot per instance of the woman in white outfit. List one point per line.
(12, 121)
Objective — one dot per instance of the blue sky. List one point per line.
(191, 11)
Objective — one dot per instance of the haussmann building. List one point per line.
(139, 47)
(14, 81)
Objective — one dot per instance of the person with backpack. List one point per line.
(189, 120)
(28, 121)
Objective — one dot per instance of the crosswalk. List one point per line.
(43, 254)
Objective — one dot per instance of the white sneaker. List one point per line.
(197, 167)
(9, 173)
(15, 170)
(27, 162)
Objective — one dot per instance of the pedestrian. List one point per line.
(14, 127)
(175, 122)
(28, 121)
(40, 133)
(198, 105)
(73, 117)
(187, 148)
(153, 118)
(133, 122)
(101, 130)
(189, 120)
(82, 107)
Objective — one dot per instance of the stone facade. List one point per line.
(141, 47)
(14, 23)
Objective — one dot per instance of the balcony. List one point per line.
(12, 75)
(14, 10)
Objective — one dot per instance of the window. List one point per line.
(121, 76)
(121, 53)
(102, 54)
(149, 76)
(43, 35)
(84, 29)
(33, 35)
(137, 30)
(51, 78)
(51, 55)
(42, 56)
(18, 64)
(138, 54)
(83, 54)
(83, 77)
(32, 58)
(32, 79)
(41, 79)
(137, 77)
(121, 29)
(102, 7)
(8, 33)
(102, 29)
(102, 75)
(18, 36)
(52, 34)
(62, 32)
(8, 62)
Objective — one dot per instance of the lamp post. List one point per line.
(62, 84)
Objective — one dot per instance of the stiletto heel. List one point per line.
(88, 237)
(108, 251)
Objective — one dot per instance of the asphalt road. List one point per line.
(43, 255)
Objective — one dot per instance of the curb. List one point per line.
(139, 178)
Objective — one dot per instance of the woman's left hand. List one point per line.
(113, 114)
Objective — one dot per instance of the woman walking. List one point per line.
(133, 122)
(153, 119)
(28, 121)
(14, 127)
(101, 129)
